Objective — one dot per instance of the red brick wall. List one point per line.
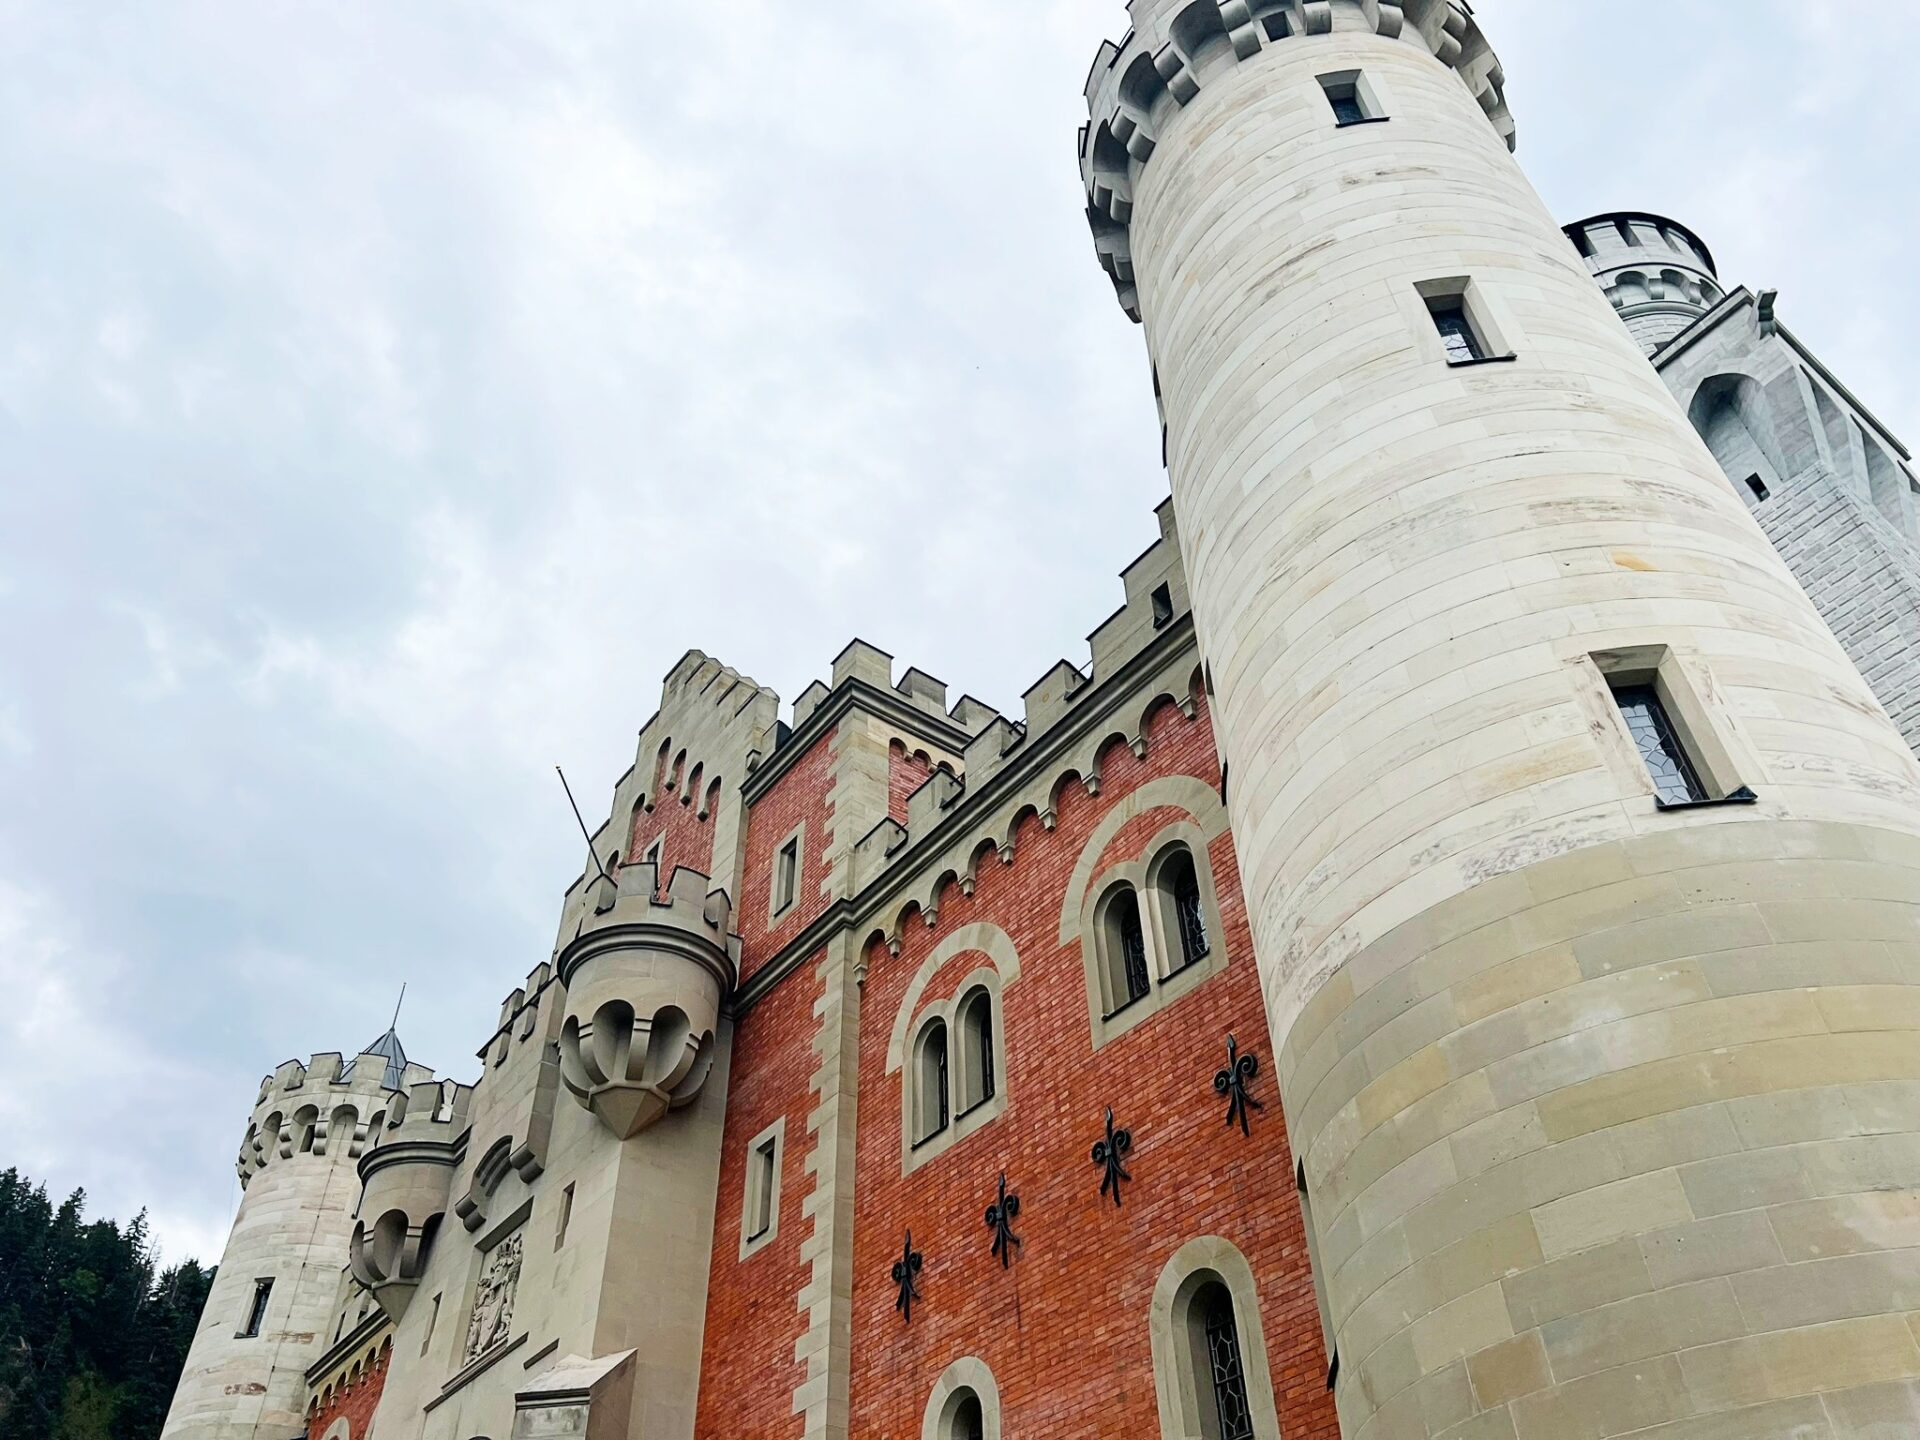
(798, 795)
(748, 1373)
(1066, 1330)
(687, 838)
(906, 773)
(355, 1401)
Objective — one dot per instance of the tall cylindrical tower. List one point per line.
(267, 1317)
(1584, 869)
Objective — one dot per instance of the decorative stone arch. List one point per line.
(1731, 414)
(1175, 1379)
(918, 1014)
(339, 1430)
(969, 1376)
(1080, 916)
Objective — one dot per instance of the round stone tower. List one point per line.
(1657, 273)
(267, 1315)
(1584, 869)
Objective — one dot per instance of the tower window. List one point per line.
(1456, 331)
(1675, 777)
(1352, 98)
(566, 1217)
(1759, 488)
(1162, 607)
(760, 1188)
(789, 872)
(1123, 946)
(257, 1311)
(976, 1079)
(1464, 321)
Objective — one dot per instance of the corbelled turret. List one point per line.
(645, 977)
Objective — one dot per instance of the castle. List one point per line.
(1449, 965)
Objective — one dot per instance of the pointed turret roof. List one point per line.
(389, 1048)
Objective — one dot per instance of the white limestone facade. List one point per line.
(1600, 1100)
(245, 1374)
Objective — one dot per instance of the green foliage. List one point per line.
(91, 1339)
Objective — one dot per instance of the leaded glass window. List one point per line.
(1133, 945)
(1189, 914)
(1229, 1374)
(1463, 346)
(1667, 761)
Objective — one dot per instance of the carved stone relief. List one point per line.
(493, 1299)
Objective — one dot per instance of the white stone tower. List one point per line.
(1583, 866)
(267, 1315)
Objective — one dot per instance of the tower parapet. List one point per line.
(1175, 47)
(645, 978)
(406, 1180)
(1657, 273)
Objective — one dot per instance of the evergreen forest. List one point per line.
(92, 1336)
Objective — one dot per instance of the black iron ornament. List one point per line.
(1232, 1083)
(1000, 1217)
(1108, 1155)
(905, 1269)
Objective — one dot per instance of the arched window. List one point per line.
(1123, 944)
(1209, 1352)
(968, 1422)
(1185, 911)
(930, 1083)
(1219, 1373)
(964, 1405)
(974, 1079)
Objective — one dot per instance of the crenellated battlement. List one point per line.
(1656, 272)
(406, 1180)
(1176, 46)
(321, 1107)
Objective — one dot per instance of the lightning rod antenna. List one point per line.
(584, 835)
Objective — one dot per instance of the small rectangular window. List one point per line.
(1675, 777)
(1162, 607)
(1276, 26)
(433, 1318)
(1352, 98)
(653, 852)
(257, 1311)
(760, 1188)
(787, 882)
(566, 1217)
(1456, 331)
(1759, 488)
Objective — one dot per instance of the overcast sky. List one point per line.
(389, 394)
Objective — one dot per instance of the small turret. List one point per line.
(645, 979)
(406, 1182)
(1655, 271)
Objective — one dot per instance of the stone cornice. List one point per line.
(345, 1347)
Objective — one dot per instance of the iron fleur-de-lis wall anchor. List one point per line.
(1108, 1155)
(1232, 1083)
(905, 1269)
(1000, 1217)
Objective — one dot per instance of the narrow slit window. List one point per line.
(1123, 946)
(976, 1038)
(1189, 915)
(766, 1157)
(1162, 606)
(787, 885)
(257, 1310)
(932, 1107)
(433, 1319)
(566, 1217)
(1675, 777)
(1759, 488)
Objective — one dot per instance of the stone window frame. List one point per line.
(997, 975)
(751, 1244)
(1363, 89)
(969, 1375)
(1726, 766)
(253, 1320)
(1169, 979)
(1176, 1387)
(797, 838)
(1493, 324)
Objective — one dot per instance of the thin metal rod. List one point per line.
(396, 1006)
(578, 820)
